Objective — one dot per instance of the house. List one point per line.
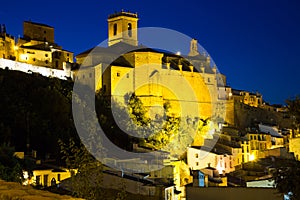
(48, 176)
(37, 47)
(200, 157)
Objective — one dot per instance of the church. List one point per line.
(189, 84)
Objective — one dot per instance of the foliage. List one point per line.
(35, 110)
(87, 182)
(10, 166)
(137, 111)
(287, 179)
(294, 107)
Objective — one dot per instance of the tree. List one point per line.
(86, 183)
(294, 107)
(287, 179)
(10, 165)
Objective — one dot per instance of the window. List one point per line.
(197, 163)
(38, 180)
(83, 76)
(46, 55)
(208, 80)
(33, 59)
(46, 61)
(127, 75)
(196, 155)
(46, 180)
(58, 177)
(115, 29)
(90, 75)
(129, 29)
(118, 74)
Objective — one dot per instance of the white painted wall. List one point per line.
(28, 68)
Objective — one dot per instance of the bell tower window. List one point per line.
(115, 29)
(129, 29)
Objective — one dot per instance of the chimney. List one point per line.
(214, 69)
(180, 67)
(191, 68)
(202, 68)
(168, 65)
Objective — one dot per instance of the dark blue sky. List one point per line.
(256, 43)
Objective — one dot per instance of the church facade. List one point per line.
(189, 83)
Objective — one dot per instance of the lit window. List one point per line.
(129, 30)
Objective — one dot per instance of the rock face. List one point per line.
(15, 191)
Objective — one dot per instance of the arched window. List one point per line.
(129, 30)
(115, 29)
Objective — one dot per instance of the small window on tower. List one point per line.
(115, 29)
(118, 74)
(129, 29)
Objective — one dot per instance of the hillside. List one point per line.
(14, 191)
(34, 110)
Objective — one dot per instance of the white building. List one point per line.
(200, 157)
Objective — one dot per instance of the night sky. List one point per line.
(256, 43)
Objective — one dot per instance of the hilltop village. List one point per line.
(248, 136)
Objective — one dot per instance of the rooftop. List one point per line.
(123, 13)
(38, 24)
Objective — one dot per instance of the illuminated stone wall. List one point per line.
(44, 71)
(37, 31)
(7, 45)
(185, 91)
(294, 146)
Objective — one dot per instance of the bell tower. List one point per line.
(122, 27)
